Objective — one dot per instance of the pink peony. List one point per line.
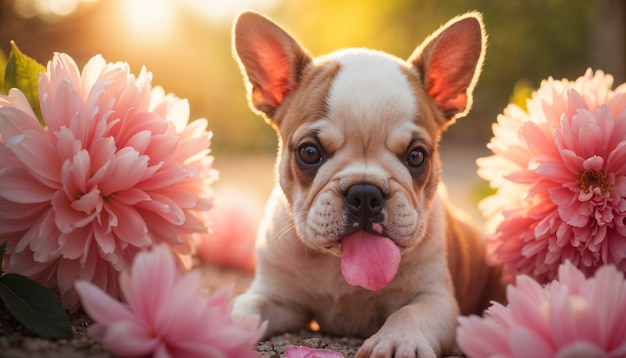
(571, 317)
(115, 170)
(167, 314)
(560, 173)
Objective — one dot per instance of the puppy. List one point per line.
(357, 235)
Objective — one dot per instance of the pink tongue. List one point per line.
(368, 260)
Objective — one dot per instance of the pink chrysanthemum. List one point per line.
(560, 172)
(115, 169)
(571, 317)
(167, 314)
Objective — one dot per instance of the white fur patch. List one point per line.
(370, 87)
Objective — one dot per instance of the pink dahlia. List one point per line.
(571, 317)
(166, 314)
(115, 169)
(560, 173)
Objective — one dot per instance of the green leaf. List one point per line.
(35, 306)
(3, 249)
(3, 66)
(22, 72)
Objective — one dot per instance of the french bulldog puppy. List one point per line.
(357, 234)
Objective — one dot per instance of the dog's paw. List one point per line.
(396, 346)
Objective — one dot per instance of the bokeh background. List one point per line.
(186, 45)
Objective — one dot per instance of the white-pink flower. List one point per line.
(560, 173)
(116, 169)
(570, 317)
(306, 352)
(166, 314)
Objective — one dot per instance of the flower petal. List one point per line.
(525, 342)
(101, 307)
(15, 121)
(481, 337)
(580, 349)
(129, 339)
(152, 276)
(616, 161)
(66, 217)
(126, 171)
(183, 309)
(306, 352)
(36, 152)
(131, 227)
(19, 186)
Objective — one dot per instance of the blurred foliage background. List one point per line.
(186, 45)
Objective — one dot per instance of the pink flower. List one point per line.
(115, 170)
(233, 223)
(306, 352)
(167, 314)
(571, 317)
(560, 174)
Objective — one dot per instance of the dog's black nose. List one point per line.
(364, 201)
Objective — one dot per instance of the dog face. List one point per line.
(359, 129)
(365, 159)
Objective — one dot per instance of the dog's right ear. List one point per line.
(270, 59)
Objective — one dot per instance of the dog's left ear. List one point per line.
(449, 63)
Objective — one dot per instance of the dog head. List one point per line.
(359, 129)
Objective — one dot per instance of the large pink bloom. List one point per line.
(166, 314)
(560, 171)
(115, 169)
(571, 317)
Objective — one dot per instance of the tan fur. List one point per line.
(298, 278)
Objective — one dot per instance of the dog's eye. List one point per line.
(415, 157)
(310, 154)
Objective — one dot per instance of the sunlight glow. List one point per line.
(155, 19)
(150, 19)
(48, 10)
(227, 9)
